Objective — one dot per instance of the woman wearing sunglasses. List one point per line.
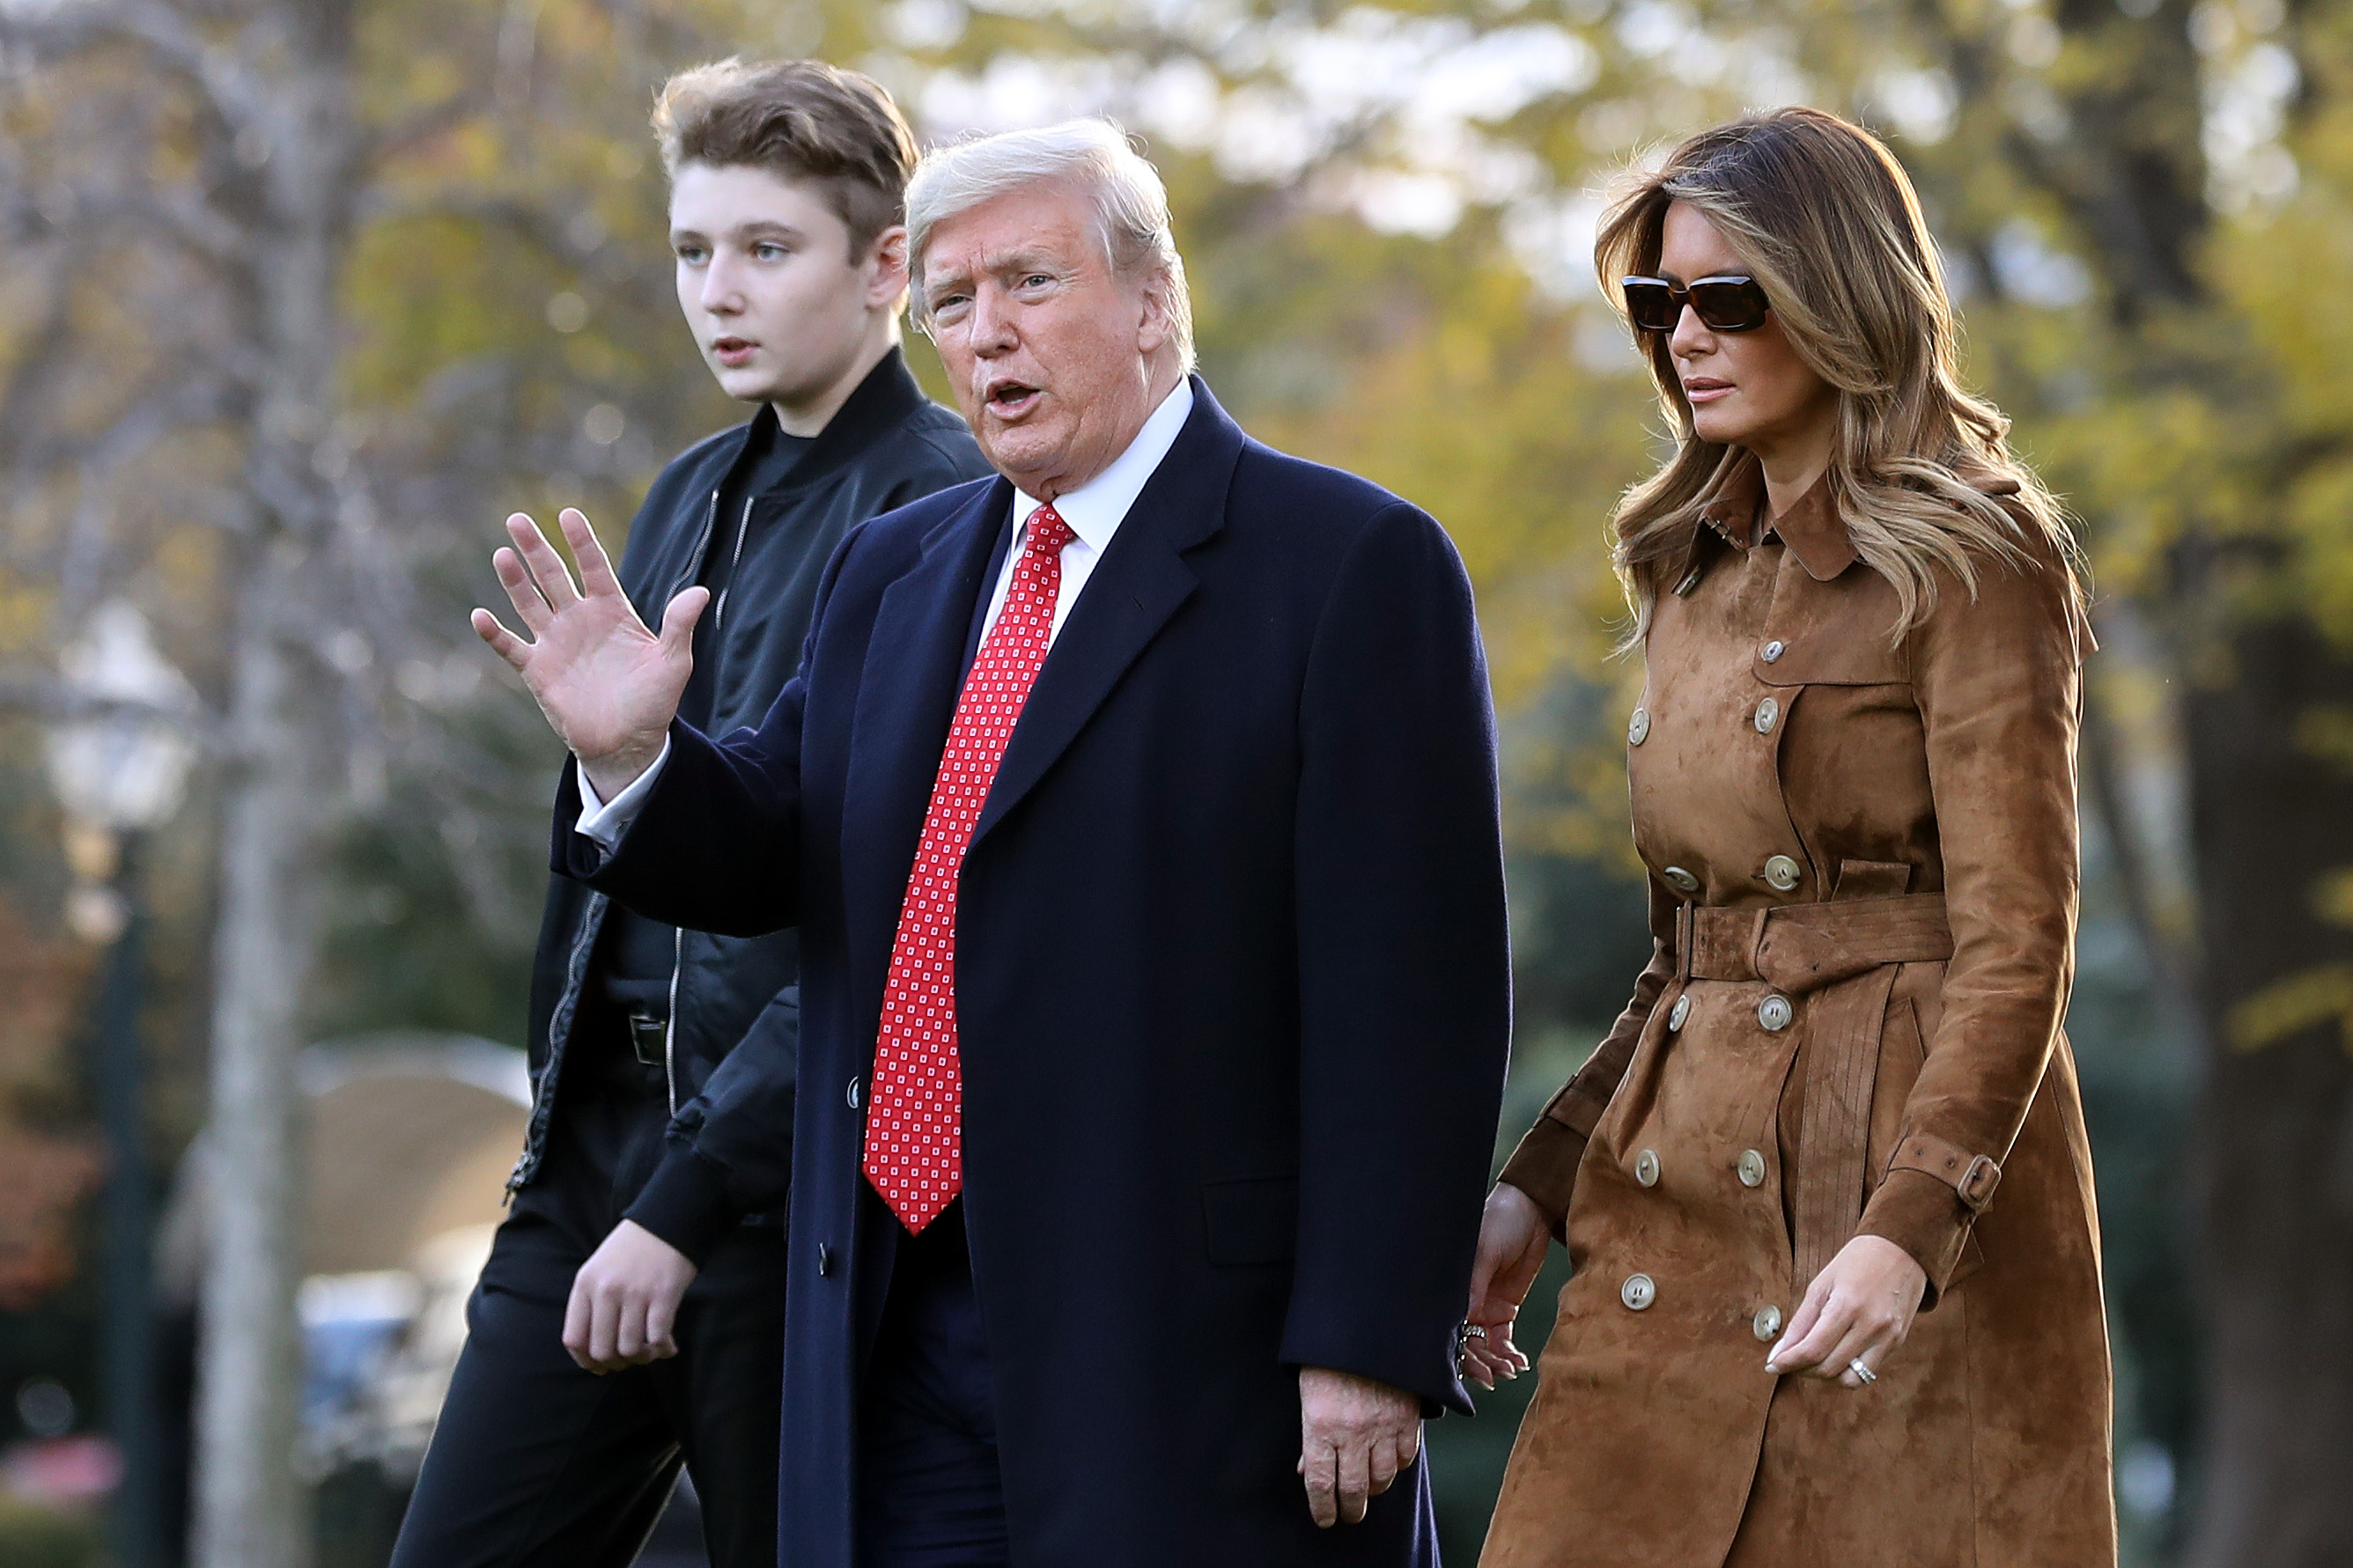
(1825, 1185)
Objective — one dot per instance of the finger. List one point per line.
(547, 568)
(1875, 1354)
(1409, 1448)
(1487, 1360)
(1500, 1348)
(1851, 1347)
(1813, 1352)
(679, 618)
(504, 642)
(661, 1324)
(530, 605)
(575, 1325)
(604, 1330)
(1318, 1467)
(1801, 1324)
(597, 576)
(1356, 1481)
(1383, 1464)
(630, 1330)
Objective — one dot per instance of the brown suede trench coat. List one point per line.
(1863, 858)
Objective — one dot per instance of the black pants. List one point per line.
(538, 1464)
(929, 1490)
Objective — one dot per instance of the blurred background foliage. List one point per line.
(2145, 210)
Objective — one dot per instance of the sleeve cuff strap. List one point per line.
(1972, 1177)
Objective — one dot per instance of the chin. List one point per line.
(1019, 450)
(1713, 426)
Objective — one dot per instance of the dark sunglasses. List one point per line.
(1727, 304)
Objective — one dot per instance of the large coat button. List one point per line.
(1646, 1167)
(1638, 1291)
(1637, 728)
(1751, 1166)
(1678, 1014)
(1775, 1012)
(1782, 875)
(1774, 650)
(1766, 1323)
(1769, 713)
(1681, 881)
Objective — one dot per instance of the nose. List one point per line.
(991, 321)
(723, 293)
(1691, 336)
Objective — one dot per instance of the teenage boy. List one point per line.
(588, 1382)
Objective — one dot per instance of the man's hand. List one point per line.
(608, 685)
(1354, 1436)
(1859, 1308)
(1513, 1237)
(625, 1301)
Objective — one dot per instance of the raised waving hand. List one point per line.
(608, 684)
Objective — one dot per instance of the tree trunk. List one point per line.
(249, 1504)
(2270, 820)
(251, 1508)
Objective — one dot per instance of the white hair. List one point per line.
(1130, 200)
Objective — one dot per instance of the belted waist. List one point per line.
(1799, 948)
(1842, 956)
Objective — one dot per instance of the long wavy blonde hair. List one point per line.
(1823, 217)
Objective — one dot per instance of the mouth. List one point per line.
(733, 350)
(1007, 399)
(1705, 389)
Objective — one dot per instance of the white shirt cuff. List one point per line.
(602, 823)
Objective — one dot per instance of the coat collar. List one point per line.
(1735, 507)
(888, 393)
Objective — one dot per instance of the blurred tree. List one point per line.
(301, 288)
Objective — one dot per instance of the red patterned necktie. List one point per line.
(914, 1120)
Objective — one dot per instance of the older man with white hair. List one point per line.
(1137, 812)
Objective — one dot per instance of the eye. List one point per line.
(1036, 280)
(948, 305)
(692, 255)
(769, 250)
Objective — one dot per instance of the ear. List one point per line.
(887, 285)
(1158, 324)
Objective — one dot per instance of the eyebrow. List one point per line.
(1016, 259)
(758, 228)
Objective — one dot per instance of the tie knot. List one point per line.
(1048, 531)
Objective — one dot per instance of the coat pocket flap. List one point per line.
(1834, 658)
(1255, 1220)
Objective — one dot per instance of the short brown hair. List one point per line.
(799, 119)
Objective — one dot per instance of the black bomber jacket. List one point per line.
(887, 445)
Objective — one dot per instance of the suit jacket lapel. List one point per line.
(1130, 596)
(906, 699)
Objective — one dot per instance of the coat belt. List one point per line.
(1843, 955)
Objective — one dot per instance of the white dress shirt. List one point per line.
(1093, 512)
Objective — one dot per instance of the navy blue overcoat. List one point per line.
(1232, 986)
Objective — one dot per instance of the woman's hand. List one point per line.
(1857, 1309)
(1513, 1237)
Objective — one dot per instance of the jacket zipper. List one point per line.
(734, 564)
(677, 934)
